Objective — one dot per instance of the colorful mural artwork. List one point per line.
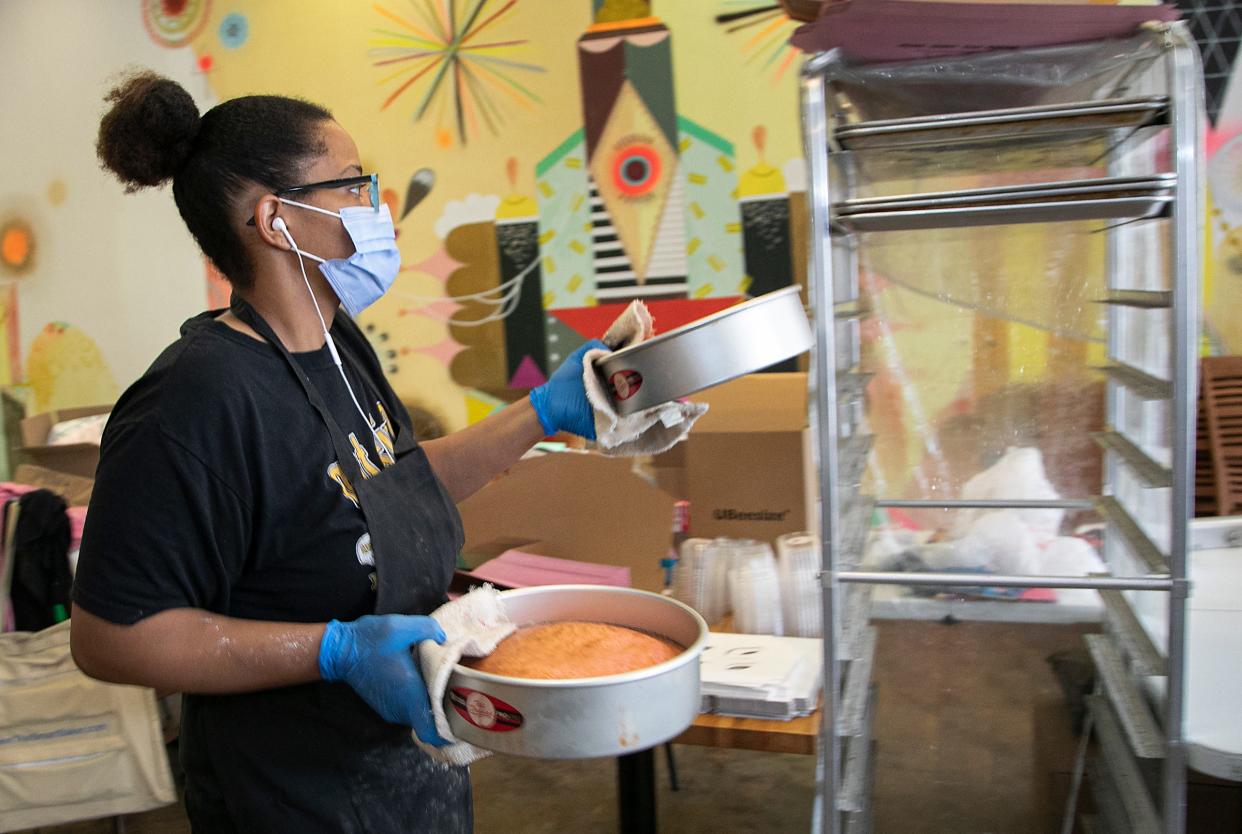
(17, 247)
(762, 29)
(543, 169)
(639, 203)
(1223, 286)
(636, 185)
(57, 192)
(457, 78)
(10, 337)
(18, 256)
(65, 368)
(175, 23)
(234, 30)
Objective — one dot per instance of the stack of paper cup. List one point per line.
(700, 578)
(755, 590)
(801, 602)
(726, 553)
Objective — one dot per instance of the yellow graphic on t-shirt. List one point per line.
(383, 436)
(369, 470)
(347, 489)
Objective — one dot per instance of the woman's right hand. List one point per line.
(375, 656)
(561, 403)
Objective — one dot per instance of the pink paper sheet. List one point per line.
(77, 522)
(876, 31)
(520, 570)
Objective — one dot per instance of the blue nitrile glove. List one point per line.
(561, 402)
(376, 656)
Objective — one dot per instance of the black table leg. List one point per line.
(672, 767)
(636, 792)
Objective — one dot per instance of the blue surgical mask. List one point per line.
(362, 278)
(358, 280)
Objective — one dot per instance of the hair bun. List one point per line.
(148, 134)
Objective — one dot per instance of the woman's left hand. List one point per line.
(377, 655)
(561, 402)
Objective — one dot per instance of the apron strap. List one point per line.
(344, 452)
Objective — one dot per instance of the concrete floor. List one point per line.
(971, 726)
(962, 748)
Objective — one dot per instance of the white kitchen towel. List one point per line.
(474, 624)
(648, 432)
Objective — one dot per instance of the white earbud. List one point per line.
(279, 225)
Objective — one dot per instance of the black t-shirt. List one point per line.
(218, 486)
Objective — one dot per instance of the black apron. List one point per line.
(316, 756)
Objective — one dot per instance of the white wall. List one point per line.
(122, 268)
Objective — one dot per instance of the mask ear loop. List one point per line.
(336, 357)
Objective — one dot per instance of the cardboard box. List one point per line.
(73, 458)
(574, 505)
(747, 466)
(75, 489)
(668, 471)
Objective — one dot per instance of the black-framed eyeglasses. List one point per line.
(368, 185)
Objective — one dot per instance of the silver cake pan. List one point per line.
(740, 340)
(584, 717)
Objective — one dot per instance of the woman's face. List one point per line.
(317, 233)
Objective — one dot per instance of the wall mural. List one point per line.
(640, 202)
(65, 368)
(762, 30)
(455, 62)
(637, 199)
(175, 23)
(19, 248)
(543, 170)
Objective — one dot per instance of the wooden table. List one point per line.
(636, 772)
(799, 735)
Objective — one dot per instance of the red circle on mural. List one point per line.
(636, 169)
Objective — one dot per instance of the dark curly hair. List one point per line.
(153, 133)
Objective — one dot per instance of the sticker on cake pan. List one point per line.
(484, 711)
(625, 384)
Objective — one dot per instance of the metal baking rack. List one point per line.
(1002, 124)
(1112, 198)
(1152, 87)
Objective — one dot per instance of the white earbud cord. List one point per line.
(336, 357)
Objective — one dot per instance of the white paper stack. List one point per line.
(801, 602)
(760, 676)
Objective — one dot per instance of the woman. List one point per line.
(265, 533)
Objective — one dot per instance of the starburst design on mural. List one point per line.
(763, 29)
(461, 81)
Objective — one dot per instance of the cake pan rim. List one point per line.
(685, 656)
(690, 327)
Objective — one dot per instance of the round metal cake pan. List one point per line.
(740, 340)
(584, 717)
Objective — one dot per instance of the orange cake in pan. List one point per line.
(557, 651)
